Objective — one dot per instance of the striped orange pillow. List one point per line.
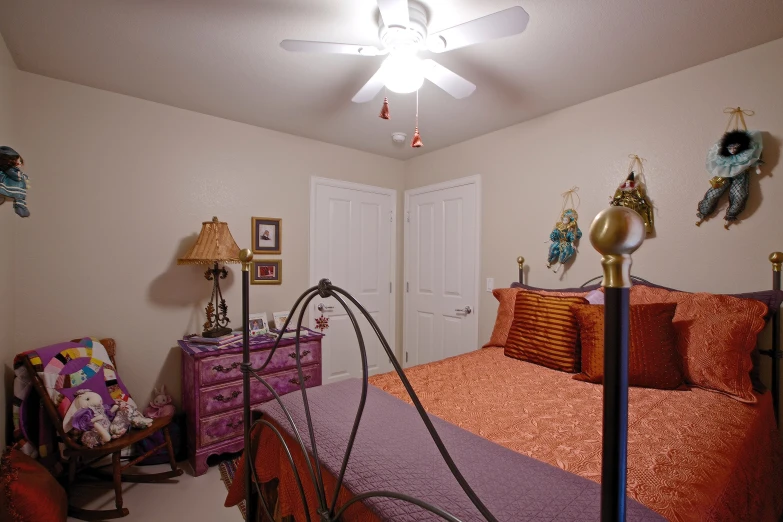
(545, 331)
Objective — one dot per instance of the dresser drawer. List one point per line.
(221, 427)
(230, 396)
(227, 368)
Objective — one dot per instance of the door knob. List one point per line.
(467, 310)
(323, 308)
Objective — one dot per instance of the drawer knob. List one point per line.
(219, 397)
(305, 353)
(233, 425)
(296, 381)
(223, 369)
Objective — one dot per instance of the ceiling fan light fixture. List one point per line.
(403, 73)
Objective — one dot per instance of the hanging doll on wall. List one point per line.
(13, 182)
(729, 163)
(565, 233)
(632, 194)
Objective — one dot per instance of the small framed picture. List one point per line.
(266, 235)
(280, 319)
(258, 324)
(267, 272)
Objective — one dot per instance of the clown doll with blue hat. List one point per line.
(13, 181)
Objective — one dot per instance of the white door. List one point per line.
(352, 240)
(441, 267)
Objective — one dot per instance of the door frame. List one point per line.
(315, 182)
(469, 180)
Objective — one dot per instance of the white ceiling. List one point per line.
(221, 57)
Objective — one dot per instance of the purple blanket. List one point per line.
(394, 452)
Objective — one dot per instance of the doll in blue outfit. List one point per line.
(563, 236)
(13, 181)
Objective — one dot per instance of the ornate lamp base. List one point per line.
(217, 332)
(216, 310)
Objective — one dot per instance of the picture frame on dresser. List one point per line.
(212, 389)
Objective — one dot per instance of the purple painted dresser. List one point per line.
(212, 389)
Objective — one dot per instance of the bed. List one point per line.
(691, 455)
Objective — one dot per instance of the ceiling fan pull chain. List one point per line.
(384, 115)
(416, 141)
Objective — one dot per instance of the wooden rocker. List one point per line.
(79, 458)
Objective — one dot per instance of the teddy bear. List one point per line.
(160, 406)
(89, 418)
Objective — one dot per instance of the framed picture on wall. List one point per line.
(266, 235)
(267, 272)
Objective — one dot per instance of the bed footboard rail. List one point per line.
(327, 507)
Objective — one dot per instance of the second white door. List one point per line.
(441, 266)
(352, 244)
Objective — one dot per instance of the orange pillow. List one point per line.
(653, 360)
(715, 337)
(28, 491)
(545, 332)
(507, 298)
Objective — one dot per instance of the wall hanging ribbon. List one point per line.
(729, 162)
(566, 231)
(737, 115)
(632, 193)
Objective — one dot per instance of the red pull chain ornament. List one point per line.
(416, 141)
(384, 115)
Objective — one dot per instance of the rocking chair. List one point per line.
(80, 457)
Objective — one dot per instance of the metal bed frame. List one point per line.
(616, 233)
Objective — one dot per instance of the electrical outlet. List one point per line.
(490, 284)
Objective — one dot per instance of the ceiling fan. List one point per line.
(403, 33)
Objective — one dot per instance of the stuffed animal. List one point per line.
(126, 415)
(90, 418)
(160, 406)
(13, 182)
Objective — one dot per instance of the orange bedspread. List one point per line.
(692, 455)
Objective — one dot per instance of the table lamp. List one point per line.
(215, 244)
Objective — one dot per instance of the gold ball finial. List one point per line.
(776, 258)
(616, 233)
(215, 219)
(246, 257)
(521, 262)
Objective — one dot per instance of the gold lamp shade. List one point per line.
(214, 244)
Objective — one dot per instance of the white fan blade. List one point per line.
(370, 89)
(394, 12)
(447, 80)
(303, 46)
(504, 23)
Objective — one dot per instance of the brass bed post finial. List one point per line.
(616, 233)
(776, 258)
(521, 262)
(246, 257)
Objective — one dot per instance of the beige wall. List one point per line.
(670, 122)
(122, 186)
(8, 220)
